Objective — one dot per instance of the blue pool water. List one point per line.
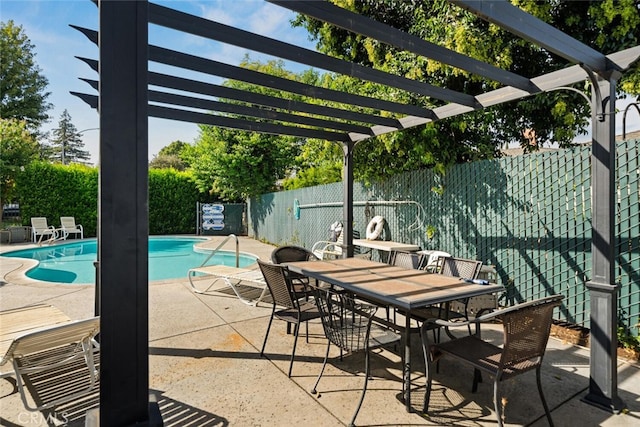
(169, 258)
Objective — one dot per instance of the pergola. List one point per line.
(125, 103)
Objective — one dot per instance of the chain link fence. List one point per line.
(529, 216)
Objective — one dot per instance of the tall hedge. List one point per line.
(172, 202)
(54, 190)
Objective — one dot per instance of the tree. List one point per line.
(176, 148)
(238, 164)
(18, 148)
(167, 161)
(319, 162)
(235, 165)
(171, 157)
(556, 117)
(66, 145)
(22, 86)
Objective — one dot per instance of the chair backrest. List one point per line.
(291, 254)
(39, 223)
(526, 331)
(56, 336)
(460, 267)
(407, 259)
(346, 321)
(68, 222)
(279, 284)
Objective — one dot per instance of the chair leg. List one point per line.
(296, 330)
(427, 394)
(477, 378)
(326, 357)
(544, 402)
(497, 401)
(364, 388)
(266, 335)
(428, 369)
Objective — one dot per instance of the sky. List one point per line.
(56, 44)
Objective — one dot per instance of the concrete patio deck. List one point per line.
(206, 369)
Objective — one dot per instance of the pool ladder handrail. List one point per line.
(217, 248)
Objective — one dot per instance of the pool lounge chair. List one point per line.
(69, 226)
(233, 277)
(48, 351)
(40, 229)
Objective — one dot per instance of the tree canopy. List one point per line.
(556, 117)
(235, 165)
(23, 94)
(18, 148)
(171, 156)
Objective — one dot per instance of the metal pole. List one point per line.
(347, 208)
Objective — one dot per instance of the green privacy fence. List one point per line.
(530, 216)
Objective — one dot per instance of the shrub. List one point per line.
(55, 190)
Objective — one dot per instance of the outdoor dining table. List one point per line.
(393, 286)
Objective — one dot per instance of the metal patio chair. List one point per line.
(347, 323)
(466, 269)
(412, 260)
(286, 306)
(526, 329)
(292, 253)
(461, 309)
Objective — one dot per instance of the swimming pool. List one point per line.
(169, 258)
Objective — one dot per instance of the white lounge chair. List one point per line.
(69, 226)
(32, 349)
(326, 249)
(232, 276)
(40, 229)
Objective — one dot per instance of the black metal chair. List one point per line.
(286, 306)
(347, 323)
(526, 329)
(459, 310)
(460, 267)
(292, 253)
(412, 260)
(454, 267)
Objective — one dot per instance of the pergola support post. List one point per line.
(123, 223)
(347, 210)
(603, 291)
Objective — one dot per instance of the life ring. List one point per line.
(375, 227)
